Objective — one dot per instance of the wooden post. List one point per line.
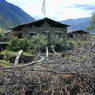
(53, 50)
(46, 51)
(17, 58)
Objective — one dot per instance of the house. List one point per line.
(78, 34)
(46, 26)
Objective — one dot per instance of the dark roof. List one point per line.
(78, 32)
(38, 23)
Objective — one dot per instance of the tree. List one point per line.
(92, 23)
(2, 32)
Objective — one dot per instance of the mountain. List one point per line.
(80, 23)
(11, 15)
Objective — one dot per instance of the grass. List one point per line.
(4, 63)
(5, 52)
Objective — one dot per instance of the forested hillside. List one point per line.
(81, 23)
(11, 15)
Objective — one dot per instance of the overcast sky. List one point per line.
(57, 9)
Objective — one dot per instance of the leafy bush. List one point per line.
(91, 25)
(1, 35)
(25, 44)
(69, 44)
(16, 44)
(38, 42)
(2, 32)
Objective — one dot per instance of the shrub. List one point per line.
(13, 44)
(25, 45)
(70, 44)
(38, 43)
(66, 44)
(16, 44)
(2, 32)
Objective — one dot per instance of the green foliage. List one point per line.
(69, 44)
(4, 63)
(2, 32)
(66, 44)
(53, 40)
(38, 42)
(61, 44)
(16, 44)
(25, 44)
(11, 15)
(92, 23)
(13, 53)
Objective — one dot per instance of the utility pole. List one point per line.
(44, 8)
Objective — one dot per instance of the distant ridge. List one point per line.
(78, 24)
(11, 15)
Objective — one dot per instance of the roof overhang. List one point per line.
(38, 23)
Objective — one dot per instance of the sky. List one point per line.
(57, 9)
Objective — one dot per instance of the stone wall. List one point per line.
(45, 27)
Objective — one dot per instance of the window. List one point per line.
(19, 35)
(46, 33)
(58, 35)
(32, 34)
